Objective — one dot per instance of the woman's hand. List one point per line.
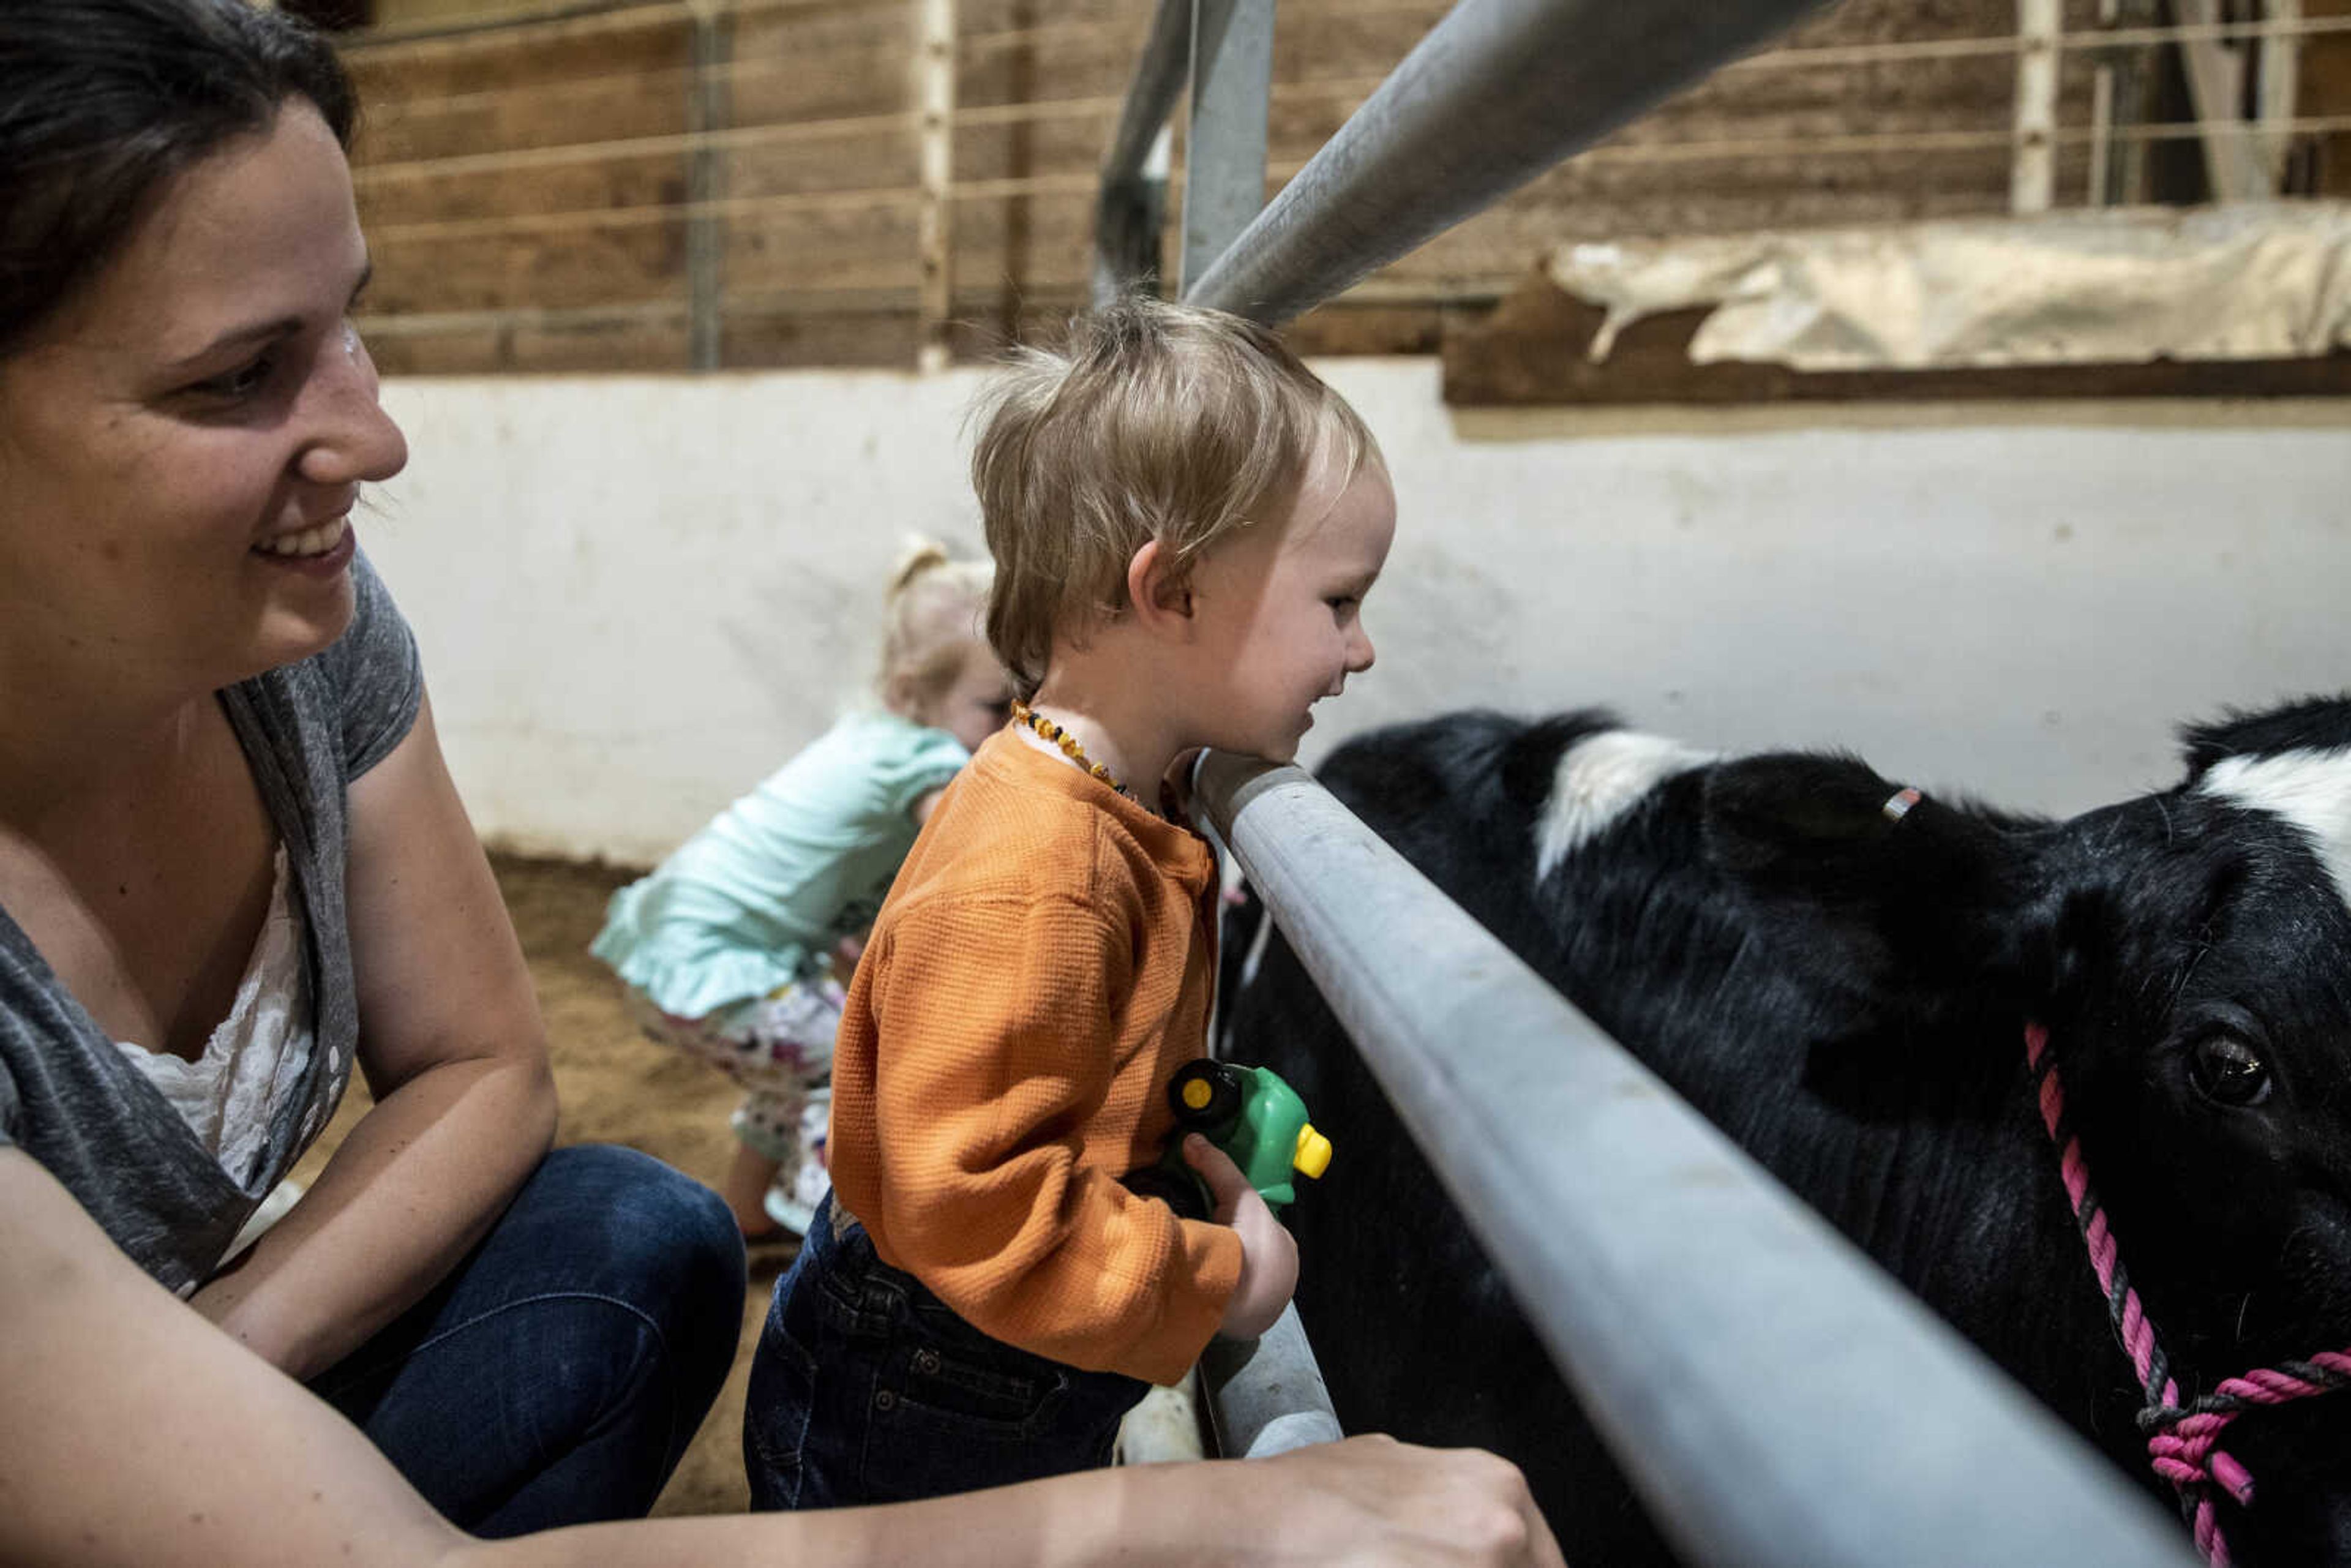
(1269, 1252)
(1375, 1499)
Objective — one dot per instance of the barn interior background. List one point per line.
(681, 305)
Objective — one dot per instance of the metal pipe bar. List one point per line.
(1265, 1396)
(2279, 67)
(1499, 91)
(1129, 215)
(1224, 151)
(708, 110)
(1778, 1401)
(2235, 165)
(2102, 113)
(1151, 94)
(1133, 205)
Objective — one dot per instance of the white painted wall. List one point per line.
(635, 596)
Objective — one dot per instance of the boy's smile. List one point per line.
(1281, 610)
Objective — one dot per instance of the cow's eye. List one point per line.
(2225, 1069)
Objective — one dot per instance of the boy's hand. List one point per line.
(1269, 1252)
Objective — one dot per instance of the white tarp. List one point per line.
(2255, 281)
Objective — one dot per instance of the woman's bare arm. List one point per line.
(1369, 1503)
(451, 1039)
(133, 1433)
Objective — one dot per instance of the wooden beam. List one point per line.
(935, 68)
(2032, 178)
(1532, 350)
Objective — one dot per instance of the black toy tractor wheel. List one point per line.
(1206, 1094)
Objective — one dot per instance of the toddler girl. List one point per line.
(729, 947)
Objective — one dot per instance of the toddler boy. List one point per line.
(1184, 522)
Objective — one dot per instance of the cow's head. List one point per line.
(2191, 954)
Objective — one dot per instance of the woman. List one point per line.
(232, 866)
(202, 920)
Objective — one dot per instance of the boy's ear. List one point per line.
(1162, 598)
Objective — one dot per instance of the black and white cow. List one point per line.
(1844, 989)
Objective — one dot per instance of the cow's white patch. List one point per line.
(2311, 790)
(1600, 778)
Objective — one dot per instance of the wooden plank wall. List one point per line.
(2324, 92)
(526, 187)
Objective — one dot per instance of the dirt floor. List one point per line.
(617, 1087)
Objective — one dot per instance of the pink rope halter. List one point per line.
(2183, 1442)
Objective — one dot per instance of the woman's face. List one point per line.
(182, 443)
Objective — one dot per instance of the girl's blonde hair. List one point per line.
(1154, 422)
(932, 617)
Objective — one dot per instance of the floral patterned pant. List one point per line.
(778, 1047)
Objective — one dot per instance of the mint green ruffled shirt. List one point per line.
(754, 900)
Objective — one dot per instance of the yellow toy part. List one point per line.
(1313, 1156)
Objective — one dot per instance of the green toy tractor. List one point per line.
(1251, 1114)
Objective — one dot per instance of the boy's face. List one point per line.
(1281, 611)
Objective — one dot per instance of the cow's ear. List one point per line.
(2313, 723)
(1916, 887)
(1818, 825)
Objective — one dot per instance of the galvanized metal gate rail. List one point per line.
(1497, 92)
(1778, 1401)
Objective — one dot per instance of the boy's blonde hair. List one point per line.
(931, 618)
(1154, 422)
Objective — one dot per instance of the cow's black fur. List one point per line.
(1846, 994)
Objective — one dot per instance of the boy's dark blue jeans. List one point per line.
(867, 1388)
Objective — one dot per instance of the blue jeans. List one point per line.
(556, 1376)
(868, 1388)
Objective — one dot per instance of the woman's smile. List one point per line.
(321, 549)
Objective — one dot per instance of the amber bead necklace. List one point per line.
(1025, 714)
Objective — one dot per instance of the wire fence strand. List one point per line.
(598, 95)
(784, 132)
(1898, 52)
(1083, 183)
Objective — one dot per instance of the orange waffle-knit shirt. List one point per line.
(1043, 966)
